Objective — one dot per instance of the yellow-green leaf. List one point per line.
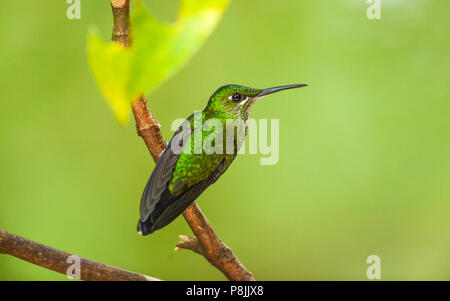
(110, 63)
(158, 51)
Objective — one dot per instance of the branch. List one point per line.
(207, 242)
(56, 260)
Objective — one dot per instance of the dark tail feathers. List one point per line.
(144, 228)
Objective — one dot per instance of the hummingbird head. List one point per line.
(235, 101)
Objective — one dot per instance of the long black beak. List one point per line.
(280, 88)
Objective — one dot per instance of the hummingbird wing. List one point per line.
(158, 182)
(169, 207)
(159, 206)
(160, 177)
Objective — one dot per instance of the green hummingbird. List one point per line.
(184, 171)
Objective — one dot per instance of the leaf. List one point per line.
(110, 63)
(158, 51)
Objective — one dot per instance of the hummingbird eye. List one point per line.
(237, 97)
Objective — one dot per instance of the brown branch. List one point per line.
(207, 242)
(148, 128)
(56, 260)
(213, 249)
(189, 243)
(121, 13)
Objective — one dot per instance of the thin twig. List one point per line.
(206, 243)
(56, 260)
(189, 243)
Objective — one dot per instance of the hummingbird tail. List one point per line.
(144, 228)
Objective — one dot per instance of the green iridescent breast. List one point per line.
(196, 165)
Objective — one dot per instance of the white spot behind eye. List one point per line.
(244, 100)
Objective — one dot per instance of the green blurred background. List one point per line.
(364, 151)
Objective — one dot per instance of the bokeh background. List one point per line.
(364, 151)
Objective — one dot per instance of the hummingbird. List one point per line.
(183, 171)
